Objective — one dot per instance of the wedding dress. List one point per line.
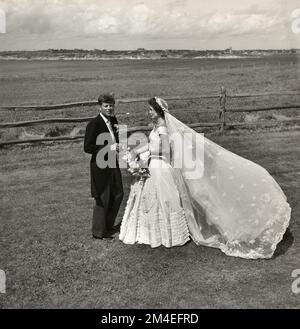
(219, 200)
(154, 214)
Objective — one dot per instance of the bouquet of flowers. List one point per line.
(138, 166)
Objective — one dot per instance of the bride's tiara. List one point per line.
(162, 103)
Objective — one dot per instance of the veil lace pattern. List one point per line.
(230, 203)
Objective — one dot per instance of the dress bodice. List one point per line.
(158, 159)
(154, 138)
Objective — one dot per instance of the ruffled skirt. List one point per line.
(154, 214)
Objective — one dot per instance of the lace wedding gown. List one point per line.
(225, 201)
(154, 214)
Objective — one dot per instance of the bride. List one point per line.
(219, 199)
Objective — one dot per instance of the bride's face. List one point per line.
(152, 113)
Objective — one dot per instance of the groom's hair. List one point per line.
(106, 98)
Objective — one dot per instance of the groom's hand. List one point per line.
(114, 147)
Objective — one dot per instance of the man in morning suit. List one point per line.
(101, 140)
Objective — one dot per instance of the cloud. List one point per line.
(90, 17)
(240, 24)
(149, 19)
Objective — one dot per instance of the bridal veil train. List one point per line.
(229, 202)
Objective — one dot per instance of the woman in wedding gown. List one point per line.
(217, 199)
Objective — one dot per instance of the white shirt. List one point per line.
(108, 124)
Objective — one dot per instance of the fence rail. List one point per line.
(43, 121)
(86, 119)
(223, 111)
(261, 109)
(264, 123)
(92, 103)
(136, 100)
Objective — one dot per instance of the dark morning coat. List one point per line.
(100, 177)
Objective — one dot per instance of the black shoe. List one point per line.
(105, 237)
(113, 233)
(115, 229)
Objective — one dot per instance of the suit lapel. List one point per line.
(103, 126)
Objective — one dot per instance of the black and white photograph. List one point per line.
(150, 156)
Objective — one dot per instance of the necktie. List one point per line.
(110, 128)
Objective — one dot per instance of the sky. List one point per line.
(150, 24)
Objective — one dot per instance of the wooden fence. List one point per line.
(222, 124)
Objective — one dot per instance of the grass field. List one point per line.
(51, 261)
(46, 248)
(50, 82)
(46, 82)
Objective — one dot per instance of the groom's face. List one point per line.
(107, 109)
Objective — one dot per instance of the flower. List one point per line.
(116, 126)
(137, 167)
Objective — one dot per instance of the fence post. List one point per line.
(222, 110)
(14, 115)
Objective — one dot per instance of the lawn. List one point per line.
(52, 82)
(51, 261)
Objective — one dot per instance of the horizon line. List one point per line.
(156, 49)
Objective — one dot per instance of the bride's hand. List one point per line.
(122, 147)
(134, 154)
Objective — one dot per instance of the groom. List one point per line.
(106, 181)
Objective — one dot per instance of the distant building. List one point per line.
(295, 51)
(228, 51)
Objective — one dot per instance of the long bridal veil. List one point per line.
(230, 203)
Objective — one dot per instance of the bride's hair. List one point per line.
(157, 108)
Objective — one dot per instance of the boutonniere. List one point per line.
(116, 127)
